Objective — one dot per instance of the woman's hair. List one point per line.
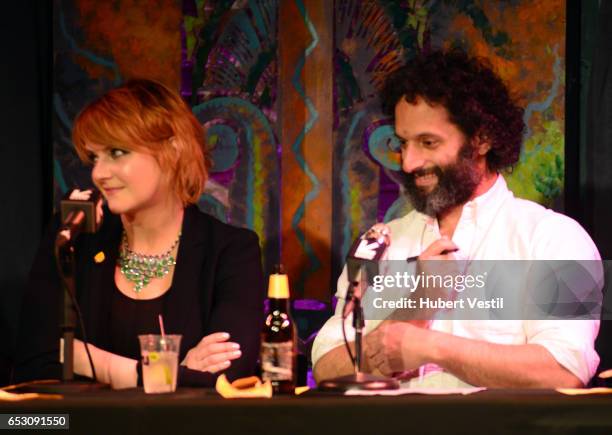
(146, 116)
(476, 98)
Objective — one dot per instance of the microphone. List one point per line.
(366, 251)
(81, 212)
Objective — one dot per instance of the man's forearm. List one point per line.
(498, 365)
(336, 363)
(476, 362)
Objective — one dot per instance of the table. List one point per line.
(197, 411)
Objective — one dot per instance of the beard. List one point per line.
(456, 184)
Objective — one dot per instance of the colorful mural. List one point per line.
(229, 72)
(96, 46)
(524, 41)
(288, 93)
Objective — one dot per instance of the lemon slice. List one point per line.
(168, 375)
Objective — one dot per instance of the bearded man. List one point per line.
(459, 127)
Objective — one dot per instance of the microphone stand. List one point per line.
(358, 380)
(66, 266)
(64, 252)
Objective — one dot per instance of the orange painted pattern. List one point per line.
(141, 36)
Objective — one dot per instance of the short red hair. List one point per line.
(146, 116)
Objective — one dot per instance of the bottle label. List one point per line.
(277, 361)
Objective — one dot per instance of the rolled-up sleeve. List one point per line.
(570, 342)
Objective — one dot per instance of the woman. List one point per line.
(149, 162)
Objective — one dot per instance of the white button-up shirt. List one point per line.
(493, 226)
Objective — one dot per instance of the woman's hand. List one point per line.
(213, 353)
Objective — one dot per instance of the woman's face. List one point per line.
(130, 180)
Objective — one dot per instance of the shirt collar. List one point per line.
(480, 210)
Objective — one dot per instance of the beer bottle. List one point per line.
(279, 338)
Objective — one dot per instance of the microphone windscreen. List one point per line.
(365, 254)
(368, 248)
(89, 202)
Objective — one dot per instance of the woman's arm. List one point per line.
(238, 300)
(116, 370)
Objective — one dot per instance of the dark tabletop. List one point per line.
(203, 411)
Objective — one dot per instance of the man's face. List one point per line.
(440, 170)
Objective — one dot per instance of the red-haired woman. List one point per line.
(149, 161)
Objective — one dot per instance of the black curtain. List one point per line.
(599, 135)
(25, 153)
(598, 180)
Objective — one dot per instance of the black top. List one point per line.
(217, 286)
(130, 318)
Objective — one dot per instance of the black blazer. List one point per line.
(218, 282)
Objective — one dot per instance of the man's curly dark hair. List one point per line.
(476, 98)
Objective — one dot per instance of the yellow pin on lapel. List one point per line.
(99, 257)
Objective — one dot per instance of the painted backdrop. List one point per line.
(287, 91)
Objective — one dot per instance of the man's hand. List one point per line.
(441, 249)
(397, 346)
(438, 262)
